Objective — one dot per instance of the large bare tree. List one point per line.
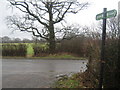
(46, 13)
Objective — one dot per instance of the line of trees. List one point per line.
(7, 39)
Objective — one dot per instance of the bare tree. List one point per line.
(67, 32)
(25, 40)
(46, 13)
(16, 40)
(6, 39)
(112, 28)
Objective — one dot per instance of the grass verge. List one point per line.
(61, 56)
(51, 57)
(78, 80)
(68, 82)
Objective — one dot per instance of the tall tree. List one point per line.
(46, 13)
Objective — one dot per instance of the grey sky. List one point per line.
(85, 17)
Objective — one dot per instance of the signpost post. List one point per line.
(118, 60)
(106, 14)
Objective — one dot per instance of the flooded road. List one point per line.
(29, 73)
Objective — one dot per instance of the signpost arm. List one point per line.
(103, 49)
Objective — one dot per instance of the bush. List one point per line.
(111, 57)
(14, 50)
(40, 49)
(74, 46)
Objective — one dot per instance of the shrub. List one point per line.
(40, 49)
(111, 57)
(74, 46)
(14, 50)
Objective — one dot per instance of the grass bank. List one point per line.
(68, 82)
(51, 57)
(61, 57)
(78, 80)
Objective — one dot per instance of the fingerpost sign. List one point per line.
(109, 14)
(106, 14)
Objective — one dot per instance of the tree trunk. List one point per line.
(52, 46)
(52, 43)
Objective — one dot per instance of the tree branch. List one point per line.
(28, 11)
(61, 18)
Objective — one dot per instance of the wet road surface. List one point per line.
(29, 73)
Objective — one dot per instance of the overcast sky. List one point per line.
(85, 17)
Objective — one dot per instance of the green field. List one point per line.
(30, 51)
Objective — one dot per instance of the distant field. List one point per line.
(30, 51)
